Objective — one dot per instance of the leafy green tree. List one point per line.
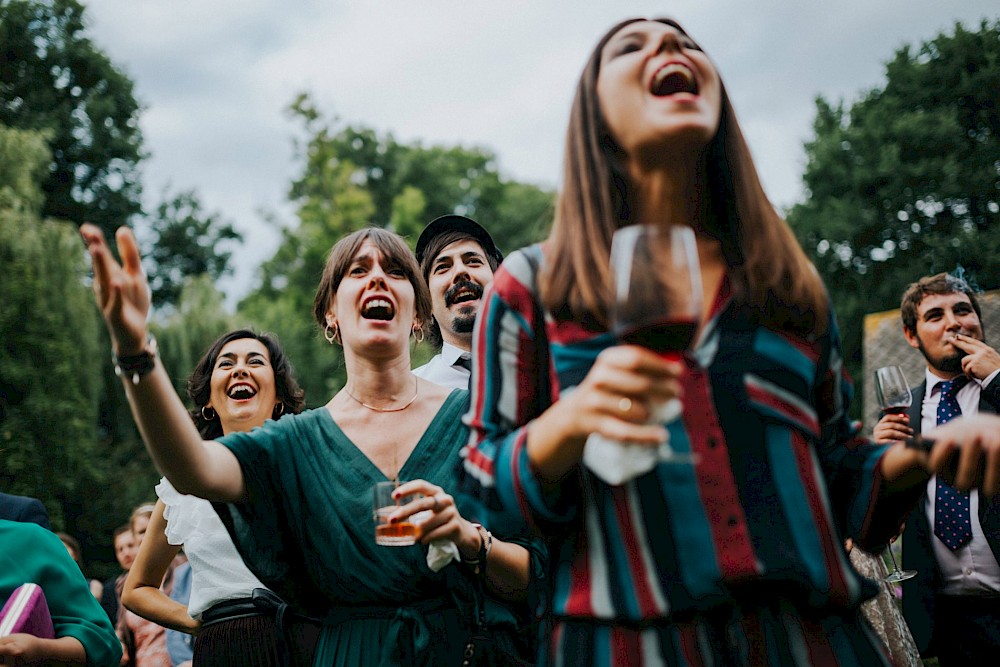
(449, 179)
(186, 242)
(66, 435)
(905, 181)
(53, 78)
(50, 361)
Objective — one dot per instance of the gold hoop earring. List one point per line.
(210, 415)
(332, 336)
(279, 409)
(418, 334)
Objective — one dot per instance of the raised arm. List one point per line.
(142, 593)
(202, 468)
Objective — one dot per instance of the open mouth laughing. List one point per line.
(241, 391)
(378, 309)
(463, 292)
(673, 78)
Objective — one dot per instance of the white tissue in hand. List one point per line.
(440, 553)
(619, 462)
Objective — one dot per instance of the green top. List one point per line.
(31, 554)
(307, 532)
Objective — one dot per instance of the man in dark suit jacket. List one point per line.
(24, 509)
(953, 604)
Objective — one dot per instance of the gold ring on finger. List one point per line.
(624, 403)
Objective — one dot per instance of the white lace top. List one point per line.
(217, 570)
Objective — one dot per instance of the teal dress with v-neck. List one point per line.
(306, 531)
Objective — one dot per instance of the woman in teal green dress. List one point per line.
(297, 493)
(30, 554)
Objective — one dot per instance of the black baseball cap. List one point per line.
(457, 223)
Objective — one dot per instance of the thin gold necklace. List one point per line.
(416, 390)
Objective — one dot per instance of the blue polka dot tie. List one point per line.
(951, 507)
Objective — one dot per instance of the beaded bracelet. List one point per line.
(478, 564)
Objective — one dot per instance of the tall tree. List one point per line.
(53, 78)
(50, 360)
(186, 242)
(449, 179)
(905, 181)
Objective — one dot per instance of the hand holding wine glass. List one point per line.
(894, 399)
(657, 305)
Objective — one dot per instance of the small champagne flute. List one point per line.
(657, 295)
(897, 575)
(894, 398)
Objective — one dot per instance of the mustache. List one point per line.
(475, 288)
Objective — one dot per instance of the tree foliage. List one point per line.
(49, 361)
(353, 176)
(906, 181)
(53, 78)
(186, 242)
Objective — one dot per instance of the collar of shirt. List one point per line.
(450, 353)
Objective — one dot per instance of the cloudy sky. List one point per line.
(215, 78)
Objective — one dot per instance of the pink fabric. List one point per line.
(150, 642)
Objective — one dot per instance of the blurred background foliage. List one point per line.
(902, 182)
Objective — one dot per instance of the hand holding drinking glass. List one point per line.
(657, 300)
(894, 398)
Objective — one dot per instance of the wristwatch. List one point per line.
(134, 366)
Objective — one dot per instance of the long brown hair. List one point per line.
(767, 268)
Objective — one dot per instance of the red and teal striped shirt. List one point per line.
(782, 476)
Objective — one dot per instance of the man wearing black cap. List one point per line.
(457, 258)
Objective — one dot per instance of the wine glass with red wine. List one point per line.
(894, 398)
(892, 390)
(657, 296)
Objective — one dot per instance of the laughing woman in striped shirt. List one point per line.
(736, 560)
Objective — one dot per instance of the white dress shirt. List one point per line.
(973, 569)
(443, 368)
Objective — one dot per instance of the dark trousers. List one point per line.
(966, 630)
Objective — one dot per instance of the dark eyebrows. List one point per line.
(232, 356)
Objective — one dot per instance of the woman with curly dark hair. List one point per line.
(242, 380)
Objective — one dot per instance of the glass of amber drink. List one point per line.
(402, 533)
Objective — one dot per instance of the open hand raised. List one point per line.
(121, 290)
